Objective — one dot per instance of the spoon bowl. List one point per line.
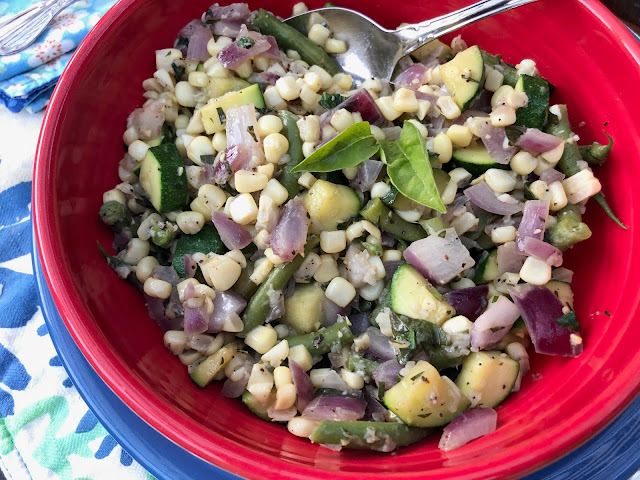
(373, 51)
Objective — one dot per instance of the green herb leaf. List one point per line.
(331, 100)
(372, 249)
(207, 159)
(409, 169)
(350, 148)
(245, 42)
(113, 261)
(570, 321)
(178, 70)
(419, 334)
(182, 41)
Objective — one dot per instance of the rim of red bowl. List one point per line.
(229, 455)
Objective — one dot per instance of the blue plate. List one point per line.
(612, 455)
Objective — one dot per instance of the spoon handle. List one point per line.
(416, 35)
(21, 30)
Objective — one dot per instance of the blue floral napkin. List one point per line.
(27, 78)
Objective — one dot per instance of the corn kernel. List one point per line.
(340, 291)
(335, 46)
(319, 34)
(249, 182)
(493, 80)
(301, 356)
(404, 100)
(523, 163)
(449, 107)
(307, 180)
(500, 181)
(275, 146)
(269, 124)
(333, 242)
(535, 271)
(443, 147)
(502, 116)
(500, 235)
(385, 104)
(341, 120)
(262, 338)
(328, 269)
(221, 272)
(288, 88)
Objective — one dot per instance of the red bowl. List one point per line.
(593, 61)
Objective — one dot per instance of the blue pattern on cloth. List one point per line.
(27, 78)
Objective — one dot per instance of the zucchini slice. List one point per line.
(163, 177)
(475, 159)
(487, 378)
(535, 114)
(464, 76)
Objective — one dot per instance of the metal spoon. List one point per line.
(22, 29)
(373, 51)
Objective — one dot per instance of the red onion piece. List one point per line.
(540, 309)
(536, 141)
(339, 408)
(490, 327)
(387, 373)
(155, 307)
(147, 120)
(359, 323)
(469, 302)
(121, 239)
(197, 49)
(543, 251)
(186, 33)
(552, 175)
(562, 274)
(390, 268)
(195, 320)
(363, 103)
(225, 304)
(533, 221)
(267, 77)
(482, 196)
(510, 260)
(439, 258)
(234, 236)
(281, 415)
(233, 55)
(237, 157)
(430, 97)
(227, 19)
(380, 346)
(290, 234)
(189, 292)
(333, 312)
(413, 77)
(233, 389)
(241, 121)
(375, 411)
(303, 385)
(190, 266)
(497, 144)
(367, 174)
(166, 273)
(472, 424)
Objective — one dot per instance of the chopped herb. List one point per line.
(606, 312)
(424, 415)
(570, 321)
(113, 261)
(418, 334)
(442, 234)
(221, 115)
(207, 158)
(331, 100)
(372, 249)
(178, 70)
(416, 376)
(251, 131)
(245, 42)
(496, 329)
(182, 42)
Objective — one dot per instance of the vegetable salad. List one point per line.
(359, 262)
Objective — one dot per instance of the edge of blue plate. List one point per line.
(613, 454)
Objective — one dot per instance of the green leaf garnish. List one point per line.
(245, 42)
(350, 148)
(408, 167)
(570, 321)
(331, 100)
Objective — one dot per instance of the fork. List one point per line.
(21, 30)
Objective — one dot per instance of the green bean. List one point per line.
(433, 225)
(377, 213)
(568, 164)
(372, 249)
(567, 232)
(509, 72)
(323, 340)
(115, 214)
(245, 286)
(162, 237)
(289, 38)
(380, 436)
(259, 305)
(288, 179)
(439, 358)
(596, 153)
(361, 364)
(569, 211)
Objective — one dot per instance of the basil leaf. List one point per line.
(331, 100)
(409, 169)
(350, 148)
